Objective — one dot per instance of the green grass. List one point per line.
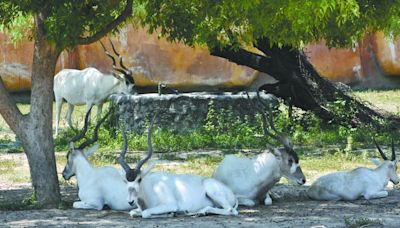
(322, 147)
(13, 172)
(362, 222)
(313, 166)
(223, 131)
(387, 100)
(25, 204)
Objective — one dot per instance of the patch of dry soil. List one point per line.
(285, 212)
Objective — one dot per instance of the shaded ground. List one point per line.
(291, 208)
(285, 212)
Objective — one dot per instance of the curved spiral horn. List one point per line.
(125, 71)
(114, 64)
(95, 131)
(278, 136)
(84, 129)
(121, 159)
(131, 174)
(119, 56)
(393, 151)
(380, 150)
(149, 146)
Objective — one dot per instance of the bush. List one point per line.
(222, 130)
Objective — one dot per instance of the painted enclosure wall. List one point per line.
(155, 60)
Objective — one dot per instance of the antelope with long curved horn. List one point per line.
(90, 87)
(359, 182)
(97, 186)
(127, 73)
(252, 179)
(159, 193)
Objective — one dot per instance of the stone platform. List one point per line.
(183, 112)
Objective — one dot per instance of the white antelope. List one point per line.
(89, 87)
(97, 186)
(159, 193)
(251, 179)
(351, 185)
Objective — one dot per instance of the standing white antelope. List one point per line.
(97, 186)
(89, 87)
(252, 179)
(159, 193)
(351, 185)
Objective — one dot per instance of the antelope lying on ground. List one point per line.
(89, 86)
(160, 193)
(251, 179)
(97, 186)
(351, 185)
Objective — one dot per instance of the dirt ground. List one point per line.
(290, 209)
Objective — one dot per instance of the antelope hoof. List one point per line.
(268, 200)
(135, 212)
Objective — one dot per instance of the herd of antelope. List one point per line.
(236, 181)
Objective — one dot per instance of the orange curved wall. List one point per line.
(185, 68)
(335, 64)
(15, 64)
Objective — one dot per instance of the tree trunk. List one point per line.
(35, 128)
(300, 84)
(38, 137)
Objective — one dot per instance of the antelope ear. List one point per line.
(119, 77)
(91, 150)
(376, 161)
(277, 152)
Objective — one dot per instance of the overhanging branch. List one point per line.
(106, 29)
(245, 58)
(302, 84)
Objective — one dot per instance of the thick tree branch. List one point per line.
(106, 29)
(245, 58)
(302, 84)
(273, 66)
(9, 110)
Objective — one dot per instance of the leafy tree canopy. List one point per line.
(214, 23)
(294, 22)
(67, 22)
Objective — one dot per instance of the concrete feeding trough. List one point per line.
(183, 112)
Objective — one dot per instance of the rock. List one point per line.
(282, 192)
(183, 112)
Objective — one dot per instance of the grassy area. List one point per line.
(14, 170)
(387, 100)
(363, 222)
(7, 135)
(322, 147)
(222, 131)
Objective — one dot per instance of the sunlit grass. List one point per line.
(16, 171)
(77, 119)
(387, 100)
(13, 171)
(314, 167)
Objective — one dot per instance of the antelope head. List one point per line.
(135, 176)
(73, 153)
(126, 78)
(391, 164)
(290, 165)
